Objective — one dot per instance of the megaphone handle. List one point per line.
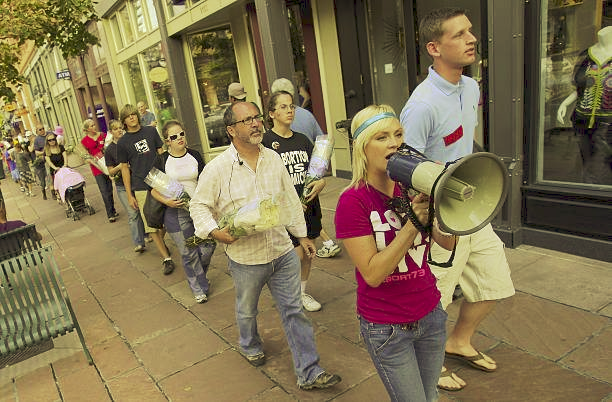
(446, 264)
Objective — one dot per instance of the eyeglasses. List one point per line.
(174, 137)
(249, 120)
(284, 108)
(40, 129)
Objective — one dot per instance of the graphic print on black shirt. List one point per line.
(295, 153)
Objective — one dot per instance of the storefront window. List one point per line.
(214, 62)
(152, 14)
(163, 91)
(134, 82)
(114, 21)
(175, 7)
(575, 143)
(141, 27)
(126, 27)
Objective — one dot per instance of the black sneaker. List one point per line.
(256, 360)
(168, 266)
(112, 219)
(115, 214)
(324, 380)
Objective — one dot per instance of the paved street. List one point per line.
(150, 341)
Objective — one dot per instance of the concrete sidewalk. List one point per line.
(151, 342)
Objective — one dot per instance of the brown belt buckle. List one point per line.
(411, 326)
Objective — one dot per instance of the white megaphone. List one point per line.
(467, 195)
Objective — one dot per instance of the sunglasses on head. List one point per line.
(174, 137)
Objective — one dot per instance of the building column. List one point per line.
(275, 38)
(505, 98)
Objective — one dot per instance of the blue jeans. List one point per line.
(282, 276)
(195, 259)
(134, 218)
(106, 190)
(408, 357)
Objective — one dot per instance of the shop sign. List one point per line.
(62, 75)
(158, 74)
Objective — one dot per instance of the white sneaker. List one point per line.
(201, 299)
(309, 303)
(329, 251)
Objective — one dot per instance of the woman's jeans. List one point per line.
(106, 190)
(195, 259)
(134, 218)
(282, 276)
(408, 357)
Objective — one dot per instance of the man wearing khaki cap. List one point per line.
(236, 92)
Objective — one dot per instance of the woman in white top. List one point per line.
(184, 165)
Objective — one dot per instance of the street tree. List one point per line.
(55, 23)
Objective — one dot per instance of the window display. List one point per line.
(215, 66)
(576, 141)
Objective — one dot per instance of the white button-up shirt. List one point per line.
(226, 184)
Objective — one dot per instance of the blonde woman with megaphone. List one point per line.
(401, 319)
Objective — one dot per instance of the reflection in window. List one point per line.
(175, 7)
(163, 91)
(575, 139)
(215, 66)
(124, 19)
(140, 18)
(133, 80)
(118, 39)
(152, 14)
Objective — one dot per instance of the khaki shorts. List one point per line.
(141, 196)
(480, 268)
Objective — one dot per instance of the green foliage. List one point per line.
(55, 23)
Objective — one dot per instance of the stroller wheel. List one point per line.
(91, 210)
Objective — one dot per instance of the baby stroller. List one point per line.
(70, 186)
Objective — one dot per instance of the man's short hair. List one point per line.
(430, 27)
(283, 84)
(128, 110)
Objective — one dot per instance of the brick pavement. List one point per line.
(151, 342)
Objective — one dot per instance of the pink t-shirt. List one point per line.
(410, 292)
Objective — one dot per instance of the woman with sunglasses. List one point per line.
(184, 165)
(401, 319)
(55, 156)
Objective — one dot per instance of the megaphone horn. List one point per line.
(468, 194)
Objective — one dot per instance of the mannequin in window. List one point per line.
(593, 113)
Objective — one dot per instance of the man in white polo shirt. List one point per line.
(439, 120)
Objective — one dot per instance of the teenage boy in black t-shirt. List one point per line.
(136, 152)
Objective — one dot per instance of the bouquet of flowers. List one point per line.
(254, 217)
(97, 160)
(167, 186)
(319, 162)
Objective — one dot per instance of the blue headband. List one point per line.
(372, 120)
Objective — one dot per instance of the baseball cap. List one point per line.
(236, 90)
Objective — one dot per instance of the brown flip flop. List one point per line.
(470, 360)
(449, 373)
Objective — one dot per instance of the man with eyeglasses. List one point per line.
(39, 153)
(137, 151)
(241, 174)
